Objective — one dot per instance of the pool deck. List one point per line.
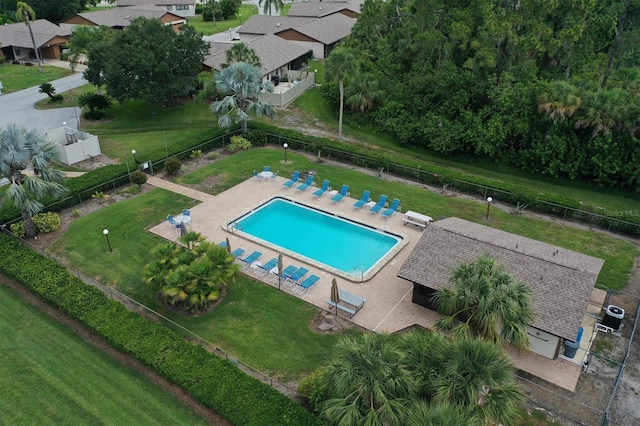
(388, 307)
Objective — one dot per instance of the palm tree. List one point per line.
(277, 5)
(22, 150)
(422, 414)
(486, 302)
(365, 94)
(25, 13)
(191, 278)
(97, 103)
(240, 84)
(559, 100)
(603, 111)
(240, 52)
(367, 382)
(339, 65)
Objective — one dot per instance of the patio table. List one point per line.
(266, 174)
(183, 219)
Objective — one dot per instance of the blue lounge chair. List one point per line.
(223, 243)
(381, 204)
(344, 192)
(186, 212)
(285, 273)
(266, 169)
(394, 207)
(293, 181)
(173, 222)
(306, 284)
(324, 188)
(267, 267)
(238, 252)
(297, 275)
(363, 200)
(307, 184)
(250, 259)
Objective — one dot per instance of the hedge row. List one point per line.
(215, 382)
(372, 158)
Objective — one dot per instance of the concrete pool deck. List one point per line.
(388, 307)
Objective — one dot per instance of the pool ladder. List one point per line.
(232, 226)
(355, 268)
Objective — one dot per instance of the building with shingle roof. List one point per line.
(184, 8)
(16, 44)
(259, 25)
(320, 9)
(562, 280)
(277, 56)
(121, 17)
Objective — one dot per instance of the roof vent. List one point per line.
(278, 24)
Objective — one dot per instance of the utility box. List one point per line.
(613, 317)
(570, 349)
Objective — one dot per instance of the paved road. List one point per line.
(17, 107)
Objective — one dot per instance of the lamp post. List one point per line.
(285, 146)
(106, 234)
(489, 200)
(135, 161)
(240, 15)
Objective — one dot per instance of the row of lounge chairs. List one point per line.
(381, 206)
(292, 276)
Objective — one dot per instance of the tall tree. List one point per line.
(339, 65)
(240, 84)
(149, 61)
(26, 14)
(268, 4)
(22, 150)
(484, 301)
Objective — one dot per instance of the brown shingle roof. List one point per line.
(329, 29)
(125, 3)
(320, 9)
(122, 16)
(562, 280)
(264, 24)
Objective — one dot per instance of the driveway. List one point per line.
(17, 107)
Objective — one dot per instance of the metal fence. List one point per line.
(424, 176)
(148, 313)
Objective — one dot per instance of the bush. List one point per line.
(56, 99)
(172, 165)
(139, 178)
(238, 143)
(258, 137)
(44, 222)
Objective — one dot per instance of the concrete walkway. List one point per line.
(179, 189)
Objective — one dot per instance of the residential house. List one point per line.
(320, 9)
(16, 44)
(562, 280)
(259, 25)
(121, 17)
(184, 8)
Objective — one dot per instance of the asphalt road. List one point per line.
(17, 107)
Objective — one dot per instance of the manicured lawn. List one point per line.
(70, 98)
(51, 376)
(260, 325)
(209, 27)
(18, 77)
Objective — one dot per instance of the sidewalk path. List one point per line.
(179, 189)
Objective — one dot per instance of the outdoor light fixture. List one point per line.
(106, 234)
(285, 146)
(133, 152)
(489, 200)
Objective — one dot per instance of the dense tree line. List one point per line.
(52, 10)
(551, 87)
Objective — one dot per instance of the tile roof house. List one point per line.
(184, 8)
(562, 280)
(121, 17)
(15, 40)
(319, 35)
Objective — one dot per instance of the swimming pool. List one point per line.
(344, 247)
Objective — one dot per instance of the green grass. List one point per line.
(209, 27)
(51, 376)
(18, 77)
(70, 98)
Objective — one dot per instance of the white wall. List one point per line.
(543, 343)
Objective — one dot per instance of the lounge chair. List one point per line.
(286, 272)
(257, 175)
(363, 200)
(294, 179)
(381, 204)
(324, 188)
(297, 275)
(307, 184)
(344, 192)
(173, 222)
(186, 212)
(266, 169)
(223, 243)
(306, 284)
(250, 259)
(394, 207)
(238, 252)
(263, 270)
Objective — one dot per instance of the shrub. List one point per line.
(172, 165)
(76, 213)
(57, 99)
(238, 143)
(139, 178)
(196, 154)
(100, 196)
(213, 155)
(258, 137)
(18, 229)
(47, 222)
(130, 190)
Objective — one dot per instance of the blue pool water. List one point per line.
(341, 244)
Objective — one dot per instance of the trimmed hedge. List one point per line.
(215, 382)
(372, 158)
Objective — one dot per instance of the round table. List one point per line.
(183, 219)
